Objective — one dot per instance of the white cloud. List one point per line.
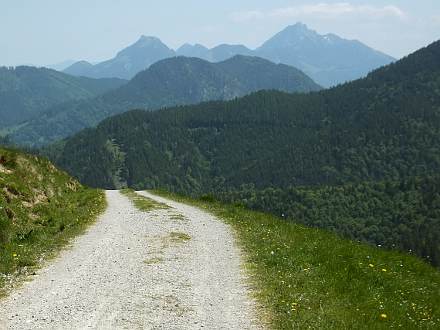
(323, 10)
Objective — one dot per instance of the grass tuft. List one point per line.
(143, 203)
(178, 237)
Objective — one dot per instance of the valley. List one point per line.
(248, 179)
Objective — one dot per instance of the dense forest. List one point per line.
(170, 82)
(400, 215)
(385, 127)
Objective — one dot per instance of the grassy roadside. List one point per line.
(311, 279)
(143, 203)
(41, 210)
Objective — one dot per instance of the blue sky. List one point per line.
(50, 31)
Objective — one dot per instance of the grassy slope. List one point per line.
(310, 278)
(41, 208)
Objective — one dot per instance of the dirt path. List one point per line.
(175, 268)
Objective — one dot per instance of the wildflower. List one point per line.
(370, 265)
(384, 270)
(14, 255)
(272, 253)
(383, 316)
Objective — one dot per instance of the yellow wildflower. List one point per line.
(370, 265)
(383, 316)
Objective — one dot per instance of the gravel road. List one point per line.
(175, 268)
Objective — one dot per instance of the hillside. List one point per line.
(26, 92)
(170, 82)
(385, 127)
(328, 59)
(41, 208)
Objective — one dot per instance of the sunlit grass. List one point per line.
(310, 278)
(41, 210)
(143, 203)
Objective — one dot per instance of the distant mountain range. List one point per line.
(328, 59)
(26, 92)
(170, 82)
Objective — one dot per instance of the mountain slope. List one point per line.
(361, 130)
(328, 59)
(26, 92)
(384, 128)
(41, 208)
(128, 62)
(175, 81)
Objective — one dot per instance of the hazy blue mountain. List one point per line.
(328, 59)
(196, 50)
(81, 68)
(174, 81)
(61, 65)
(128, 62)
(224, 52)
(216, 54)
(26, 92)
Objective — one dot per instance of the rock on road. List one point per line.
(175, 268)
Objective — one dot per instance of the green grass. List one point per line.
(143, 203)
(308, 278)
(41, 209)
(153, 261)
(178, 237)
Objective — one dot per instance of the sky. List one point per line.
(43, 32)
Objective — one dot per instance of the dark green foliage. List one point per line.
(26, 92)
(402, 215)
(385, 127)
(175, 81)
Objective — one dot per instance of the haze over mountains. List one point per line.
(26, 92)
(328, 59)
(173, 81)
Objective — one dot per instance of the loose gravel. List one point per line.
(175, 268)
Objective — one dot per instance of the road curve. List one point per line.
(175, 268)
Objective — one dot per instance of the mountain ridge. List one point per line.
(169, 82)
(328, 59)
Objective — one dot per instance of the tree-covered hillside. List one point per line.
(385, 127)
(174, 81)
(26, 92)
